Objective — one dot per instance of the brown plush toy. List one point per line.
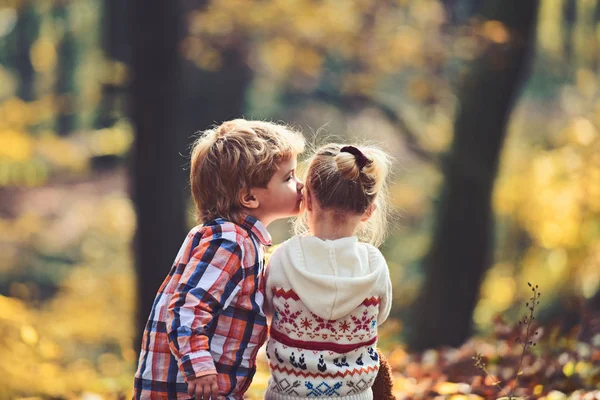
(382, 387)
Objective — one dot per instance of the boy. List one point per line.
(207, 322)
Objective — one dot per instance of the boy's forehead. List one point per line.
(287, 163)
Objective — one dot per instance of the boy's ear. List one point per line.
(248, 199)
(370, 210)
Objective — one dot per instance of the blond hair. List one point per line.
(236, 156)
(341, 185)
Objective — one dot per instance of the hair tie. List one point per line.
(361, 159)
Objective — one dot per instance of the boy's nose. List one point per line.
(299, 185)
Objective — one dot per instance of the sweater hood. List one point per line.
(343, 271)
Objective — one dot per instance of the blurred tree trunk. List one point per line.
(170, 99)
(459, 11)
(462, 239)
(66, 88)
(569, 21)
(116, 50)
(26, 32)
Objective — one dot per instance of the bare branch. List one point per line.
(356, 103)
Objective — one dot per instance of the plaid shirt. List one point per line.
(208, 314)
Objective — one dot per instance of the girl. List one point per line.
(327, 292)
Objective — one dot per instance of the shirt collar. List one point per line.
(258, 229)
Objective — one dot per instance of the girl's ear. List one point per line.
(248, 199)
(308, 199)
(370, 210)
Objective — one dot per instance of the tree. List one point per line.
(158, 181)
(170, 100)
(67, 63)
(462, 240)
(25, 33)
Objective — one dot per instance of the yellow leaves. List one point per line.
(398, 356)
(110, 365)
(8, 82)
(14, 113)
(111, 141)
(593, 187)
(589, 276)
(80, 339)
(550, 35)
(27, 160)
(552, 193)
(495, 31)
(538, 389)
(61, 152)
(278, 54)
(49, 350)
(105, 311)
(29, 335)
(580, 367)
(420, 89)
(359, 83)
(12, 311)
(281, 57)
(408, 198)
(498, 292)
(582, 131)
(455, 391)
(203, 54)
(117, 217)
(15, 145)
(404, 47)
(115, 73)
(293, 37)
(555, 395)
(446, 388)
(587, 82)
(82, 374)
(309, 61)
(43, 55)
(427, 12)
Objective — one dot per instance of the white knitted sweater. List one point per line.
(326, 298)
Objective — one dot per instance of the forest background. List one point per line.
(491, 109)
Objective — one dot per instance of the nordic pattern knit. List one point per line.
(326, 299)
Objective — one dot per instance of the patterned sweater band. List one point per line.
(319, 346)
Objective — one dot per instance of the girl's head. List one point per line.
(349, 181)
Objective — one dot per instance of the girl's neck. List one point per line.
(330, 227)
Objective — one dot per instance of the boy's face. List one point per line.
(282, 196)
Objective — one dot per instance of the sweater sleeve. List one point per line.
(385, 305)
(384, 284)
(273, 263)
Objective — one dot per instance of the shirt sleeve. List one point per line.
(209, 282)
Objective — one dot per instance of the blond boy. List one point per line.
(207, 322)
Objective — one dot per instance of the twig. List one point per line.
(527, 343)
